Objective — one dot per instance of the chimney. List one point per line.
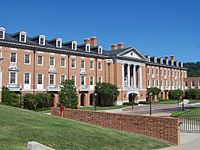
(114, 47)
(87, 41)
(172, 57)
(93, 41)
(120, 45)
(166, 57)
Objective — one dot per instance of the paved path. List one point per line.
(189, 141)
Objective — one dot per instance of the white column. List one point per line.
(140, 77)
(122, 75)
(134, 76)
(128, 75)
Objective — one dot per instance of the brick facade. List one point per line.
(158, 127)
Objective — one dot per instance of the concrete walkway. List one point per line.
(189, 141)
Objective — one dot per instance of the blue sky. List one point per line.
(155, 27)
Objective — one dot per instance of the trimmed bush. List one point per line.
(10, 98)
(176, 94)
(129, 103)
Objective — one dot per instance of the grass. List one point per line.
(192, 101)
(18, 126)
(174, 101)
(195, 112)
(104, 107)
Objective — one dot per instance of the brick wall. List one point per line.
(158, 127)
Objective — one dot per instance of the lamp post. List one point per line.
(95, 99)
(20, 90)
(183, 108)
(150, 94)
(132, 100)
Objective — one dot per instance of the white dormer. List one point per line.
(100, 49)
(181, 64)
(74, 45)
(155, 59)
(2, 33)
(177, 64)
(22, 36)
(172, 62)
(167, 62)
(42, 39)
(161, 61)
(87, 47)
(149, 59)
(59, 42)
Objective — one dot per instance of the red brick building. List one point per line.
(35, 64)
(192, 83)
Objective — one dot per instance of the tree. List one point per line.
(107, 93)
(153, 91)
(68, 95)
(176, 94)
(10, 98)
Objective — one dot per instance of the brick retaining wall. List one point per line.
(165, 128)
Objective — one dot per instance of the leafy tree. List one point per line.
(176, 94)
(10, 98)
(68, 95)
(107, 93)
(193, 69)
(153, 90)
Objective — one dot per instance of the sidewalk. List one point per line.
(189, 141)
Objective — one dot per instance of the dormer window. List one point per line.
(100, 49)
(149, 59)
(22, 37)
(41, 40)
(2, 33)
(74, 45)
(87, 47)
(172, 62)
(59, 42)
(155, 60)
(161, 61)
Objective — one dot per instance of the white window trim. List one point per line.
(100, 49)
(54, 78)
(92, 65)
(40, 37)
(42, 78)
(74, 79)
(15, 77)
(3, 30)
(57, 40)
(84, 80)
(25, 35)
(101, 79)
(71, 63)
(61, 78)
(61, 62)
(81, 63)
(87, 45)
(15, 60)
(42, 61)
(29, 78)
(74, 43)
(98, 65)
(92, 81)
(29, 59)
(53, 61)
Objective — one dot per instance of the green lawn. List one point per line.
(103, 107)
(174, 101)
(192, 101)
(187, 113)
(18, 126)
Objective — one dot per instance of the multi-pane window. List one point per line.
(193, 84)
(148, 82)
(148, 71)
(62, 62)
(73, 78)
(23, 38)
(82, 64)
(87, 48)
(40, 60)
(82, 80)
(152, 71)
(39, 79)
(157, 83)
(27, 59)
(51, 79)
(186, 83)
(12, 78)
(91, 80)
(153, 82)
(51, 61)
(13, 57)
(99, 66)
(62, 78)
(91, 64)
(164, 72)
(73, 63)
(26, 78)
(100, 79)
(165, 83)
(41, 41)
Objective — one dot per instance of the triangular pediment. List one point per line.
(132, 53)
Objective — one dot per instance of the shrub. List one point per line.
(68, 95)
(193, 93)
(10, 98)
(176, 94)
(129, 103)
(107, 93)
(143, 102)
